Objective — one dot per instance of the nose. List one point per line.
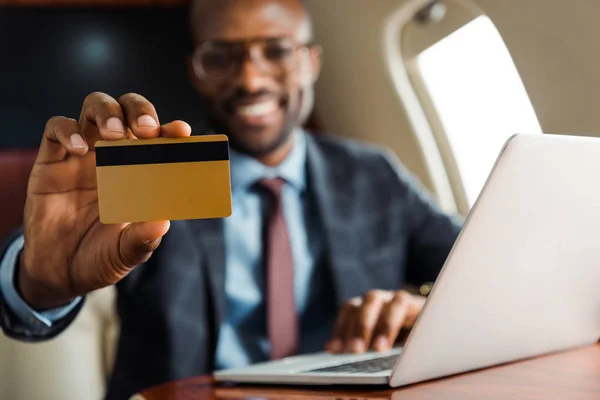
(250, 77)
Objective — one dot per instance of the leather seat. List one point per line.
(77, 363)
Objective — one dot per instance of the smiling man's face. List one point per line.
(254, 69)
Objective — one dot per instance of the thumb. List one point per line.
(139, 240)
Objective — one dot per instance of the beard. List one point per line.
(243, 143)
(297, 110)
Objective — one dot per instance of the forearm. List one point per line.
(17, 318)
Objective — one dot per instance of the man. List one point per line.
(318, 223)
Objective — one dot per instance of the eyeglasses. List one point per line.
(217, 60)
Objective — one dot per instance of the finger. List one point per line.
(336, 345)
(61, 137)
(369, 315)
(352, 343)
(390, 322)
(140, 115)
(139, 240)
(176, 129)
(102, 118)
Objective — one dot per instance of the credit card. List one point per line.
(141, 180)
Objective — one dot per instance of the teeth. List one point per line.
(259, 109)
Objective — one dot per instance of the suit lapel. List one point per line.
(334, 190)
(210, 237)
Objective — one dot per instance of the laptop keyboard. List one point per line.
(363, 367)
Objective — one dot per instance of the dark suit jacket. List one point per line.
(381, 232)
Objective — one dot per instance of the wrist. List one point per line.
(34, 293)
(415, 306)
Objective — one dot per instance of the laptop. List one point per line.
(522, 279)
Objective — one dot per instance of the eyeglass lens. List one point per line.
(271, 55)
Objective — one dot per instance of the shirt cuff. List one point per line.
(32, 319)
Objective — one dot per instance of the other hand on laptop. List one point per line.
(374, 321)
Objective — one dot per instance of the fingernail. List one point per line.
(381, 343)
(77, 141)
(114, 124)
(358, 345)
(146, 120)
(335, 346)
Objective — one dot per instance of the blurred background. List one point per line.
(442, 83)
(53, 56)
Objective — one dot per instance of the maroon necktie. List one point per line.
(282, 321)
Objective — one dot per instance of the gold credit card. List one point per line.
(163, 179)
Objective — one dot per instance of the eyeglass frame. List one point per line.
(248, 54)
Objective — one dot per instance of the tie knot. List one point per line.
(273, 185)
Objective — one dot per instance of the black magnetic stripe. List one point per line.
(162, 153)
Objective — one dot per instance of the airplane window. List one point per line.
(479, 98)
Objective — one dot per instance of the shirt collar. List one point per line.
(245, 170)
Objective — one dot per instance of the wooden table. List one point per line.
(572, 375)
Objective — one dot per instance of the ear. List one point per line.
(316, 59)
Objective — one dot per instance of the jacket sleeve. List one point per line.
(431, 232)
(17, 319)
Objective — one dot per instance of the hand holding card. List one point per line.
(68, 251)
